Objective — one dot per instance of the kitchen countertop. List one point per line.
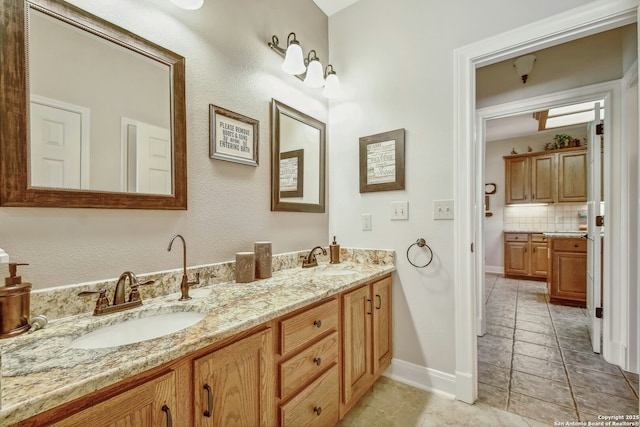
(40, 372)
(577, 233)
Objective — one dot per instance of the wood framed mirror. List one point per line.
(125, 118)
(298, 146)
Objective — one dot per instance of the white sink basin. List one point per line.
(336, 272)
(137, 330)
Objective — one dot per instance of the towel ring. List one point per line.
(421, 243)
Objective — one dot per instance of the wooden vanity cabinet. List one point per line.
(308, 374)
(567, 280)
(150, 404)
(233, 385)
(366, 340)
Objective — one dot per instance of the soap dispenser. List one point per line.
(15, 301)
(334, 252)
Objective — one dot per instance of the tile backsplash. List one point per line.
(556, 217)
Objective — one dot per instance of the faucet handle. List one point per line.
(103, 301)
(135, 294)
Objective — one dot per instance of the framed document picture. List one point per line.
(232, 136)
(382, 161)
(292, 173)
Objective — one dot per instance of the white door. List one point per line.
(55, 147)
(149, 158)
(594, 232)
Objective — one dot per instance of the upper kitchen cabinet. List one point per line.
(529, 178)
(547, 177)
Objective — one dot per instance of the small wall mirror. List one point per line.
(96, 117)
(297, 160)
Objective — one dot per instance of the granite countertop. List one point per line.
(40, 372)
(577, 233)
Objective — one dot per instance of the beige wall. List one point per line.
(229, 64)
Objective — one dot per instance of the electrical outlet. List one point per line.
(366, 222)
(399, 210)
(443, 209)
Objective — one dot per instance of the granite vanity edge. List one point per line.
(174, 348)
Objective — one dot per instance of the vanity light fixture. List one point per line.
(524, 65)
(188, 4)
(308, 69)
(315, 72)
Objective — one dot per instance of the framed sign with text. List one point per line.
(292, 173)
(382, 161)
(232, 136)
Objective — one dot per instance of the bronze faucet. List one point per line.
(310, 260)
(185, 283)
(119, 303)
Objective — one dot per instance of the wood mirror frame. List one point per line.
(278, 203)
(14, 113)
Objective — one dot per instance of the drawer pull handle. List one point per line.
(166, 409)
(317, 410)
(379, 306)
(317, 361)
(317, 323)
(209, 410)
(371, 305)
(576, 245)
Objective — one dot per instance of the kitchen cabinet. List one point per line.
(150, 404)
(308, 373)
(567, 282)
(572, 176)
(530, 178)
(234, 385)
(366, 340)
(525, 255)
(546, 177)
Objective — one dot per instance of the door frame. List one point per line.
(576, 23)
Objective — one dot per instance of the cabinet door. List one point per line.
(569, 276)
(517, 180)
(572, 176)
(147, 405)
(357, 366)
(382, 344)
(539, 259)
(543, 178)
(234, 385)
(516, 258)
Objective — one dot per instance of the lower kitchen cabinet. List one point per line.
(233, 385)
(151, 404)
(567, 280)
(366, 340)
(525, 255)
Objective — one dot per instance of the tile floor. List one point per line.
(536, 359)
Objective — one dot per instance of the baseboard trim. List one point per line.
(493, 269)
(422, 377)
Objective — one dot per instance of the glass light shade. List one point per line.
(315, 74)
(293, 60)
(332, 87)
(188, 4)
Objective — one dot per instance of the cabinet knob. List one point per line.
(317, 361)
(317, 410)
(575, 245)
(317, 323)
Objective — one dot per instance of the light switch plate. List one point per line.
(366, 222)
(443, 209)
(399, 210)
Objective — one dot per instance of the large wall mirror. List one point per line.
(297, 160)
(92, 115)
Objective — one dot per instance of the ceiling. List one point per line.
(329, 7)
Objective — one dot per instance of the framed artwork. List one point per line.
(232, 136)
(292, 173)
(382, 161)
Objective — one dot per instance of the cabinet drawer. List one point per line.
(516, 237)
(308, 364)
(538, 238)
(570, 245)
(317, 405)
(308, 325)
